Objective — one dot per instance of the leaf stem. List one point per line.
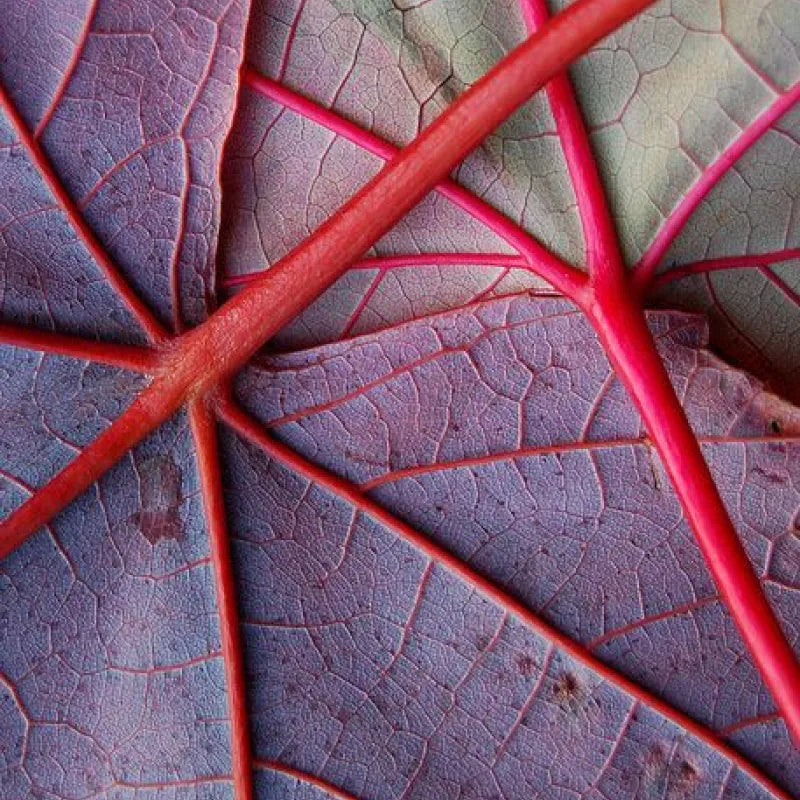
(136, 359)
(156, 403)
(201, 358)
(204, 433)
(602, 247)
(620, 323)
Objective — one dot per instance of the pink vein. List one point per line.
(602, 248)
(780, 284)
(678, 611)
(306, 777)
(69, 70)
(290, 39)
(253, 431)
(407, 367)
(644, 271)
(204, 434)
(538, 257)
(136, 359)
(553, 449)
(138, 308)
(362, 304)
(491, 458)
(726, 262)
(762, 719)
(386, 263)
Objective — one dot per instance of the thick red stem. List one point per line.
(137, 359)
(203, 425)
(602, 248)
(203, 357)
(620, 323)
(154, 405)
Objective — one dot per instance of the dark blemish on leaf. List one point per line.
(775, 426)
(160, 492)
(654, 771)
(482, 642)
(687, 779)
(770, 475)
(566, 690)
(526, 665)
(665, 777)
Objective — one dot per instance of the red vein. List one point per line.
(602, 247)
(204, 433)
(491, 458)
(622, 630)
(190, 662)
(69, 70)
(306, 777)
(120, 165)
(726, 262)
(538, 258)
(213, 351)
(622, 328)
(362, 304)
(172, 784)
(156, 403)
(644, 271)
(781, 285)
(254, 432)
(410, 260)
(134, 303)
(290, 39)
(407, 367)
(137, 359)
(761, 719)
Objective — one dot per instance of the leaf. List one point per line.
(435, 555)
(501, 434)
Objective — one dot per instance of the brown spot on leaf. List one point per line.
(566, 689)
(687, 778)
(771, 475)
(160, 491)
(667, 777)
(526, 665)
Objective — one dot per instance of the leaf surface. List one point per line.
(435, 553)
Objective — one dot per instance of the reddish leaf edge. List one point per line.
(609, 303)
